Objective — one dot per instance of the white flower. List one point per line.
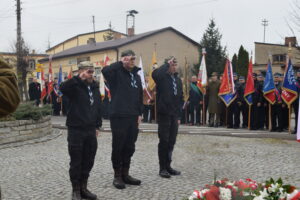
(282, 194)
(258, 198)
(264, 193)
(225, 194)
(273, 188)
(202, 193)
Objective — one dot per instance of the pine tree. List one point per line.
(234, 62)
(215, 52)
(242, 62)
(109, 35)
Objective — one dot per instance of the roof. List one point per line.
(35, 54)
(112, 44)
(82, 35)
(282, 45)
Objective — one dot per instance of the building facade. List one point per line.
(277, 53)
(165, 42)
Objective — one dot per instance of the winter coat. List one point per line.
(126, 90)
(213, 97)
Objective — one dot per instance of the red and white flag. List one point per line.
(50, 76)
(43, 88)
(202, 75)
(142, 75)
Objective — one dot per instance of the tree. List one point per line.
(215, 52)
(22, 68)
(234, 62)
(242, 62)
(295, 16)
(109, 35)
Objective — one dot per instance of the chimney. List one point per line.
(91, 41)
(33, 52)
(130, 32)
(291, 40)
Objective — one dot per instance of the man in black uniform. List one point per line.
(233, 115)
(241, 103)
(35, 92)
(277, 107)
(125, 115)
(83, 122)
(169, 108)
(196, 102)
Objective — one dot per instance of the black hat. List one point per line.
(254, 74)
(241, 78)
(260, 75)
(234, 74)
(127, 53)
(277, 74)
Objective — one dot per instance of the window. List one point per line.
(79, 60)
(279, 58)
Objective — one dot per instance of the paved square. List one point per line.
(40, 171)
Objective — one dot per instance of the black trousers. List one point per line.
(276, 113)
(167, 133)
(243, 108)
(82, 146)
(124, 135)
(233, 115)
(195, 110)
(147, 114)
(296, 109)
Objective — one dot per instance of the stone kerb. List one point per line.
(22, 130)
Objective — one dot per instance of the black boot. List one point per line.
(129, 179)
(85, 193)
(76, 191)
(164, 173)
(172, 171)
(118, 181)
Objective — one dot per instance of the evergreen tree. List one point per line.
(242, 62)
(109, 35)
(234, 62)
(215, 52)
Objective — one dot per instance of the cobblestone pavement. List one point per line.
(40, 171)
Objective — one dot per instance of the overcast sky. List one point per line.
(239, 21)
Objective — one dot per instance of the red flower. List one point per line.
(296, 197)
(213, 193)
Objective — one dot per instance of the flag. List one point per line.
(43, 86)
(50, 77)
(70, 75)
(249, 88)
(202, 75)
(106, 60)
(153, 63)
(227, 92)
(142, 75)
(102, 86)
(60, 76)
(269, 87)
(289, 89)
(185, 82)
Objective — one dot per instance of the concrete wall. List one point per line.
(21, 130)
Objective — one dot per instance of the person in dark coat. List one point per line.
(169, 109)
(125, 112)
(35, 92)
(195, 102)
(233, 114)
(65, 102)
(83, 122)
(242, 106)
(56, 98)
(277, 107)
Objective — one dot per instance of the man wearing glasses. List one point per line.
(83, 122)
(125, 115)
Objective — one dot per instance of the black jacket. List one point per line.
(126, 100)
(81, 113)
(34, 91)
(167, 102)
(195, 97)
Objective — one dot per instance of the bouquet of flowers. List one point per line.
(246, 190)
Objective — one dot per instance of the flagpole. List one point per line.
(289, 107)
(270, 119)
(203, 111)
(249, 117)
